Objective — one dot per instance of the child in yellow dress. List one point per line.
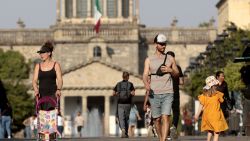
(213, 120)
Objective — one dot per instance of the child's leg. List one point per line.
(209, 135)
(216, 136)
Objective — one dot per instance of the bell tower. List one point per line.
(82, 11)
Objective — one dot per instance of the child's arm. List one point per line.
(196, 117)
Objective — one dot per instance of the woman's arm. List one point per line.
(35, 79)
(59, 79)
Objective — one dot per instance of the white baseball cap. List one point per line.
(160, 38)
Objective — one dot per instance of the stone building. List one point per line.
(236, 11)
(93, 63)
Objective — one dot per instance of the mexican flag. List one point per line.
(98, 15)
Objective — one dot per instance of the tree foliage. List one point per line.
(218, 56)
(233, 76)
(13, 71)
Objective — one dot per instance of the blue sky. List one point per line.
(153, 13)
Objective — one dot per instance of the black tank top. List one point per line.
(47, 82)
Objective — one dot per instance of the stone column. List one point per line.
(88, 8)
(63, 9)
(104, 8)
(106, 115)
(131, 3)
(119, 8)
(84, 104)
(84, 109)
(58, 10)
(137, 9)
(74, 8)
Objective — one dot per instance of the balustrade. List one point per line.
(109, 33)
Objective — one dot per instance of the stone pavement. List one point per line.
(185, 138)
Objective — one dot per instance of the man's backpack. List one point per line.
(124, 92)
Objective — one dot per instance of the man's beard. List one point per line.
(161, 51)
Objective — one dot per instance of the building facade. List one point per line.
(93, 63)
(236, 11)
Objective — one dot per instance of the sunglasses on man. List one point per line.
(162, 44)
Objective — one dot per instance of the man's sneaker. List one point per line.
(168, 139)
(124, 134)
(173, 133)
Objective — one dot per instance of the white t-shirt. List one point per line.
(79, 121)
(59, 121)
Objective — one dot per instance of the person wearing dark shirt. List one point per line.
(6, 114)
(124, 104)
(48, 74)
(179, 80)
(222, 87)
(245, 73)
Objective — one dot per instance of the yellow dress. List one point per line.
(212, 117)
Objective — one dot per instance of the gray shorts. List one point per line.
(161, 104)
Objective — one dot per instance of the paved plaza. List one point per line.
(185, 138)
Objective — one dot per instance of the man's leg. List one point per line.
(157, 123)
(123, 115)
(165, 126)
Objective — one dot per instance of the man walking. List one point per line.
(124, 90)
(162, 68)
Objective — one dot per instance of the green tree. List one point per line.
(219, 56)
(13, 71)
(233, 75)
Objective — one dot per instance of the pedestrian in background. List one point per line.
(178, 80)
(213, 120)
(60, 124)
(134, 116)
(149, 121)
(34, 125)
(79, 123)
(6, 119)
(28, 123)
(124, 90)
(222, 87)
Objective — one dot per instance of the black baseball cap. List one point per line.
(44, 49)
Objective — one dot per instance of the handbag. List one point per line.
(159, 72)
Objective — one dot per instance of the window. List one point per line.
(82, 8)
(97, 52)
(125, 8)
(112, 8)
(69, 8)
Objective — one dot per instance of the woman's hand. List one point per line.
(37, 94)
(58, 93)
